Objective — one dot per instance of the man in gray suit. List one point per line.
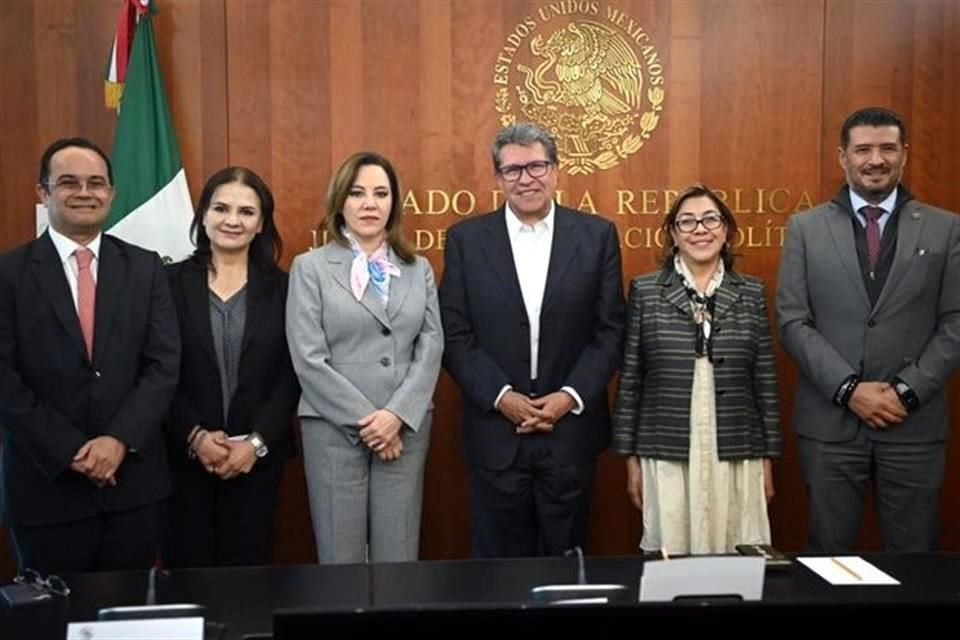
(868, 305)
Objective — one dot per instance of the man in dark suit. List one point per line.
(89, 358)
(868, 306)
(533, 312)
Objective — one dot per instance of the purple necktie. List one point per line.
(872, 214)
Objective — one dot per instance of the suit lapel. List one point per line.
(727, 294)
(840, 228)
(909, 224)
(341, 259)
(671, 290)
(256, 295)
(495, 244)
(48, 270)
(196, 296)
(399, 285)
(562, 252)
(111, 272)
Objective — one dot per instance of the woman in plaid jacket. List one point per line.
(696, 412)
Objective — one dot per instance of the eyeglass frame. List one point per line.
(35, 580)
(712, 215)
(79, 185)
(520, 168)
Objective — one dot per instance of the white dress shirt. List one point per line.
(857, 203)
(531, 246)
(65, 248)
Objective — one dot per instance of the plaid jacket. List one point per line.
(651, 415)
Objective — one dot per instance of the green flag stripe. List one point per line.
(145, 153)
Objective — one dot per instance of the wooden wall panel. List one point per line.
(756, 91)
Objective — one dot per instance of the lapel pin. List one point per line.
(915, 214)
(921, 252)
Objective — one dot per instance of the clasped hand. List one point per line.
(225, 457)
(877, 404)
(98, 459)
(380, 431)
(535, 415)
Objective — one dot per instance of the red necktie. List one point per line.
(86, 296)
(872, 214)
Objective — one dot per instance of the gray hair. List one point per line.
(525, 134)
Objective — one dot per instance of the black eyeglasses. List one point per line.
(50, 584)
(512, 172)
(710, 222)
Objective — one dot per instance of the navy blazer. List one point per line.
(53, 398)
(267, 388)
(488, 334)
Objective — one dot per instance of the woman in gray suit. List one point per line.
(696, 412)
(363, 326)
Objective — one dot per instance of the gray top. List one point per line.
(227, 320)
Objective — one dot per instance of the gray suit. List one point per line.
(353, 358)
(831, 330)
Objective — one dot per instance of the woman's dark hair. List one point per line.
(267, 246)
(339, 189)
(696, 191)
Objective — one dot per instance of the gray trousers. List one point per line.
(356, 500)
(906, 478)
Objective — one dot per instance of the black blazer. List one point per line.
(267, 389)
(487, 332)
(53, 398)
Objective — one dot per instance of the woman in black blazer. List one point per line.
(696, 412)
(229, 427)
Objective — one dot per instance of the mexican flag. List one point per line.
(152, 205)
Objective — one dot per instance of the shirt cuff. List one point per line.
(496, 403)
(576, 398)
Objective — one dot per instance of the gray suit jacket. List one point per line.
(830, 330)
(352, 357)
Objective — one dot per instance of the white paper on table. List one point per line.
(702, 576)
(148, 629)
(845, 570)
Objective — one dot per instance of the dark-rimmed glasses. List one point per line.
(536, 169)
(50, 584)
(710, 222)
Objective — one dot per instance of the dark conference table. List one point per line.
(472, 597)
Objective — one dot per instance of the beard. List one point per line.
(874, 192)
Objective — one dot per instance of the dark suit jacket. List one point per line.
(651, 416)
(267, 389)
(53, 399)
(488, 335)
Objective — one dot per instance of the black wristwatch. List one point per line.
(908, 397)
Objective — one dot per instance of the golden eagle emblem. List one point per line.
(586, 84)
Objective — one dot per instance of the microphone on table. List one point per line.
(581, 592)
(151, 609)
(581, 567)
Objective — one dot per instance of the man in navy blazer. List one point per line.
(82, 400)
(533, 313)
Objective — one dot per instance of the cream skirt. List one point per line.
(703, 505)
